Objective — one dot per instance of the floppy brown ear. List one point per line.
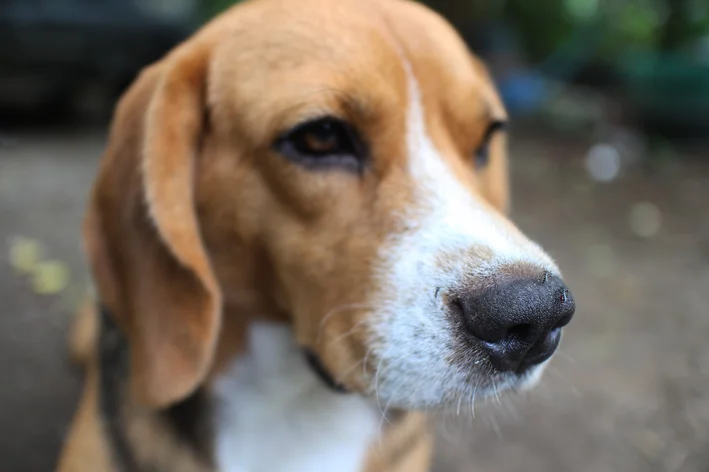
(142, 234)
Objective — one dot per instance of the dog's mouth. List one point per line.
(479, 382)
(492, 385)
(436, 372)
(322, 372)
(528, 379)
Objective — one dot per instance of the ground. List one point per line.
(629, 389)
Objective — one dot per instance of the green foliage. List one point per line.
(545, 26)
(633, 25)
(541, 25)
(621, 26)
(211, 8)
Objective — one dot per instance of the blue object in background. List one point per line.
(523, 91)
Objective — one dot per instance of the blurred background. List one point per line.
(610, 168)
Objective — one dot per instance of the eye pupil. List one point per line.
(326, 142)
(322, 138)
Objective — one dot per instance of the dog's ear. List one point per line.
(142, 234)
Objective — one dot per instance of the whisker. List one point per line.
(496, 393)
(495, 426)
(383, 411)
(391, 363)
(348, 371)
(391, 397)
(553, 370)
(472, 402)
(376, 378)
(339, 309)
(364, 361)
(446, 433)
(349, 332)
(509, 407)
(566, 356)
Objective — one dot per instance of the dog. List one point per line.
(299, 243)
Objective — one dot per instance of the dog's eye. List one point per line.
(324, 142)
(482, 155)
(321, 138)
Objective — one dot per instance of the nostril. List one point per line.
(457, 306)
(520, 332)
(566, 319)
(477, 322)
(541, 351)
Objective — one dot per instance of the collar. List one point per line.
(322, 372)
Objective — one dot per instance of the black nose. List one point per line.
(518, 320)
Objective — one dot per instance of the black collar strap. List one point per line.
(322, 372)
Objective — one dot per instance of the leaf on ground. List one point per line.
(25, 254)
(50, 277)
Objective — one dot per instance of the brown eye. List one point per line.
(482, 155)
(325, 137)
(324, 142)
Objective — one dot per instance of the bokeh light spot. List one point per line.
(603, 162)
(645, 219)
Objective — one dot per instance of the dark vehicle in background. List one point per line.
(61, 56)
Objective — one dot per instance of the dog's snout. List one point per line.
(517, 320)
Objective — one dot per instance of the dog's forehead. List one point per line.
(445, 70)
(281, 54)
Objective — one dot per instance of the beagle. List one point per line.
(298, 241)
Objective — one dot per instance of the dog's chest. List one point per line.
(275, 415)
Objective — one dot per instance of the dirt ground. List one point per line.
(629, 390)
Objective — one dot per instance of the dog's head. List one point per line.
(338, 163)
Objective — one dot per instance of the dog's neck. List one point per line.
(237, 316)
(267, 393)
(274, 411)
(233, 343)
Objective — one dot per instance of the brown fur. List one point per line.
(196, 226)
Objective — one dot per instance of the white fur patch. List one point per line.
(275, 415)
(448, 227)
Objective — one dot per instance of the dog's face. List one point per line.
(349, 170)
